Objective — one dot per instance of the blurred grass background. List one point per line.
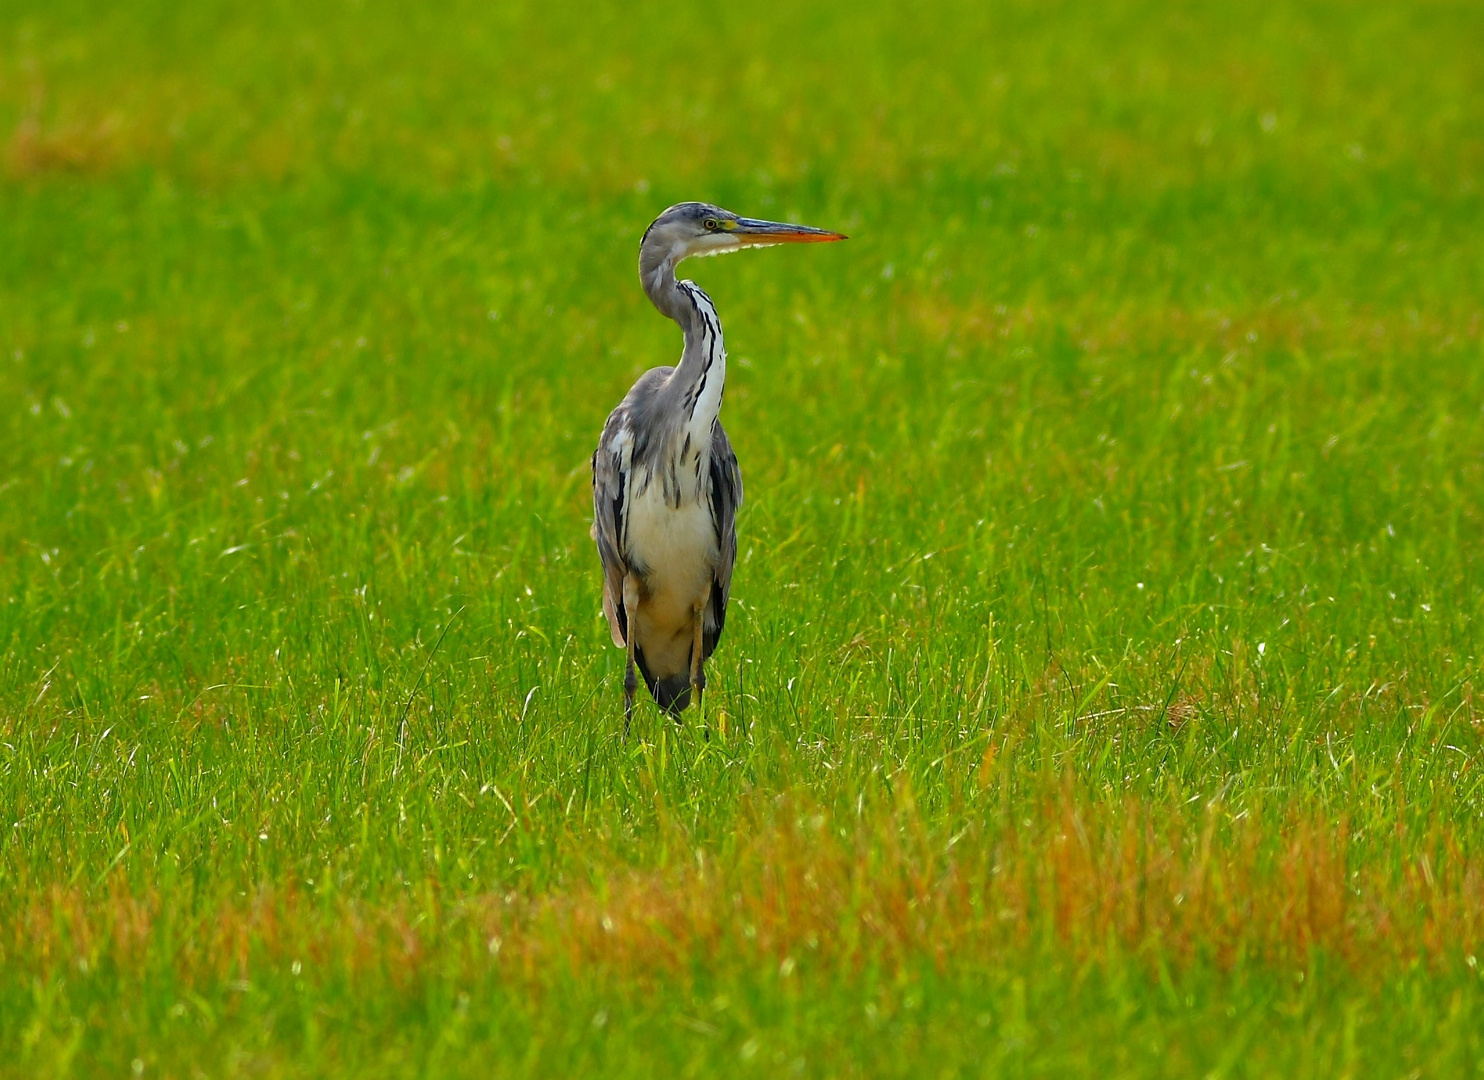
(1100, 695)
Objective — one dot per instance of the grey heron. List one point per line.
(666, 487)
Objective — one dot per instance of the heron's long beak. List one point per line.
(754, 233)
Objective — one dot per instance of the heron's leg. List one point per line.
(630, 681)
(697, 667)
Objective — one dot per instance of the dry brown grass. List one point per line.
(1131, 880)
(78, 137)
(33, 149)
(1281, 324)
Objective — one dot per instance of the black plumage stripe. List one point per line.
(710, 335)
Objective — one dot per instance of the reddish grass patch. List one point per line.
(1091, 880)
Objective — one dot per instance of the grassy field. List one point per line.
(1101, 695)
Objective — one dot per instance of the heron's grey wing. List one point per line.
(629, 435)
(610, 487)
(726, 500)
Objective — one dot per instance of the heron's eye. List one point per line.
(711, 223)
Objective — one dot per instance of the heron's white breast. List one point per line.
(676, 546)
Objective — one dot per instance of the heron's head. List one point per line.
(695, 228)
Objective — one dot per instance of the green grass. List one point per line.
(1101, 691)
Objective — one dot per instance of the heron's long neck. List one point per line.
(702, 371)
(700, 377)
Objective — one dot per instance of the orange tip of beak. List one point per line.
(790, 236)
(813, 237)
